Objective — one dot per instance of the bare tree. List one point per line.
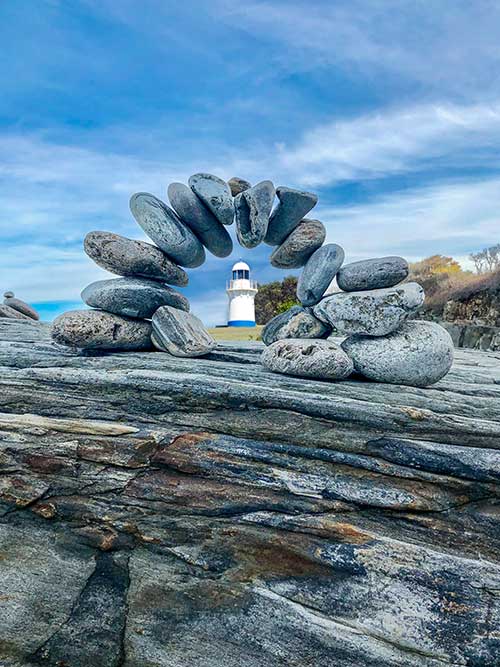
(479, 260)
(487, 260)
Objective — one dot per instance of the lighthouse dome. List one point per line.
(241, 266)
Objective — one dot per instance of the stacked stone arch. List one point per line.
(373, 308)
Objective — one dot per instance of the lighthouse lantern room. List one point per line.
(241, 291)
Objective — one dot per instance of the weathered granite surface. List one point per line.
(178, 512)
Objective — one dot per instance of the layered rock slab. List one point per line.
(243, 516)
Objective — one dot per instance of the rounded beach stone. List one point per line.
(296, 249)
(372, 274)
(373, 313)
(252, 208)
(292, 207)
(180, 333)
(319, 271)
(132, 297)
(127, 257)
(419, 354)
(237, 185)
(321, 359)
(21, 307)
(164, 227)
(294, 323)
(200, 220)
(97, 330)
(215, 194)
(8, 295)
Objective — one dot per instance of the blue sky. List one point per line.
(389, 110)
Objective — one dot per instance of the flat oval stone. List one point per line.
(180, 333)
(372, 274)
(320, 359)
(12, 313)
(215, 194)
(374, 312)
(97, 330)
(319, 271)
(127, 257)
(21, 307)
(132, 297)
(419, 354)
(252, 208)
(296, 249)
(294, 323)
(200, 220)
(164, 227)
(237, 185)
(292, 207)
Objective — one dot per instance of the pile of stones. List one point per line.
(372, 311)
(140, 310)
(16, 309)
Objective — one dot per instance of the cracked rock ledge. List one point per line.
(167, 512)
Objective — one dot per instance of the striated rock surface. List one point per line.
(173, 512)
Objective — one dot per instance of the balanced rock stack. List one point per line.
(140, 310)
(372, 311)
(16, 309)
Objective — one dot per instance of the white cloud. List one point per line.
(450, 218)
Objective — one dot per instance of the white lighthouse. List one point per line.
(241, 293)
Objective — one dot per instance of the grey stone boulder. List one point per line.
(374, 312)
(165, 228)
(299, 245)
(98, 330)
(215, 194)
(292, 207)
(419, 354)
(127, 257)
(372, 274)
(237, 185)
(132, 297)
(297, 322)
(319, 271)
(252, 208)
(180, 333)
(19, 305)
(200, 220)
(320, 359)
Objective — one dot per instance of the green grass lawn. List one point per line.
(236, 333)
